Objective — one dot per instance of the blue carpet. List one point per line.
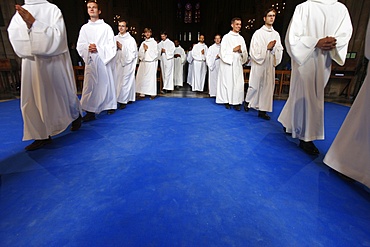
(176, 172)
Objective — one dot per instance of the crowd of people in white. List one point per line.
(49, 102)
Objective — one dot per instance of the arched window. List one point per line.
(188, 13)
(197, 13)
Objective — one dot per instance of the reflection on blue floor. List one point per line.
(176, 172)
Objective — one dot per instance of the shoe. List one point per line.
(237, 107)
(111, 111)
(38, 144)
(140, 97)
(246, 104)
(227, 106)
(90, 116)
(76, 124)
(309, 147)
(122, 106)
(263, 115)
(287, 133)
(163, 91)
(152, 97)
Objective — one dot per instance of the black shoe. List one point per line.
(76, 124)
(152, 97)
(163, 91)
(122, 106)
(237, 107)
(309, 147)
(227, 106)
(90, 116)
(38, 144)
(287, 133)
(111, 111)
(263, 115)
(246, 104)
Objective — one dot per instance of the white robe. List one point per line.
(167, 62)
(48, 93)
(303, 113)
(230, 82)
(146, 78)
(350, 152)
(125, 68)
(263, 62)
(189, 59)
(178, 68)
(199, 66)
(213, 63)
(99, 92)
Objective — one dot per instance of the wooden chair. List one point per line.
(284, 79)
(79, 72)
(277, 82)
(246, 73)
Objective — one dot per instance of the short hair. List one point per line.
(93, 1)
(268, 11)
(147, 30)
(217, 34)
(122, 20)
(163, 32)
(235, 19)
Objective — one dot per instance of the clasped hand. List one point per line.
(26, 16)
(327, 43)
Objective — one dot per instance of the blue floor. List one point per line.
(176, 172)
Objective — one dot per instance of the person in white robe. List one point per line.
(266, 53)
(318, 33)
(349, 154)
(213, 63)
(49, 101)
(146, 78)
(125, 66)
(189, 59)
(233, 54)
(166, 49)
(199, 53)
(97, 47)
(178, 67)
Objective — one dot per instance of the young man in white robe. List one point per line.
(178, 67)
(199, 53)
(166, 49)
(48, 94)
(125, 65)
(213, 63)
(97, 47)
(233, 54)
(350, 152)
(146, 78)
(318, 33)
(266, 53)
(189, 59)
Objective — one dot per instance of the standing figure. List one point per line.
(97, 47)
(48, 94)
(125, 65)
(318, 33)
(213, 62)
(349, 154)
(189, 59)
(146, 78)
(266, 53)
(166, 49)
(233, 54)
(199, 53)
(178, 69)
